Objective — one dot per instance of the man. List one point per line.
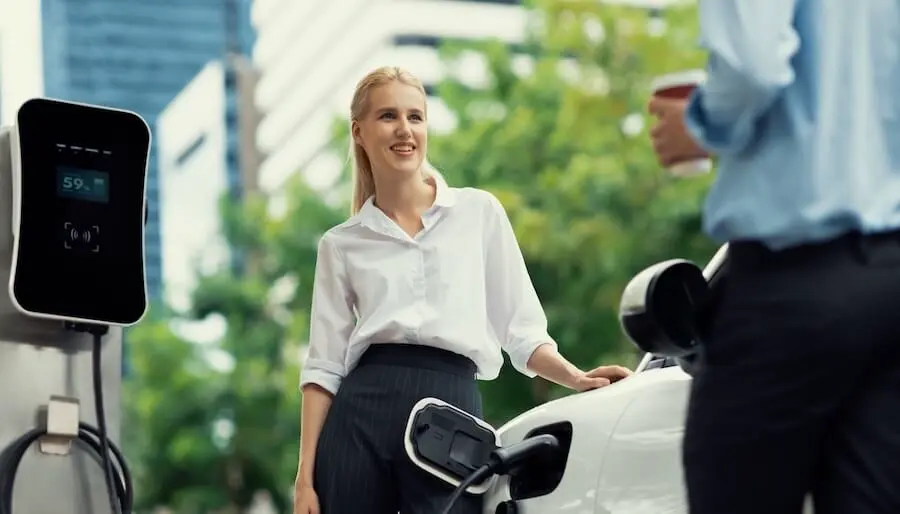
(800, 387)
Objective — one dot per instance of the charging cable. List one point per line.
(502, 461)
(117, 476)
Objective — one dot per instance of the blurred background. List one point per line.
(539, 101)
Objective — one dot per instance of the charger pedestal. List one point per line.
(38, 359)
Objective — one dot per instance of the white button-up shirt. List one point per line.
(460, 285)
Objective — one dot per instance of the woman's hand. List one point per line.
(600, 377)
(305, 499)
(549, 364)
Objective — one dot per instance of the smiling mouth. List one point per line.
(405, 149)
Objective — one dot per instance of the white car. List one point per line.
(623, 442)
(624, 449)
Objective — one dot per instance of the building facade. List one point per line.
(193, 135)
(201, 136)
(311, 54)
(137, 55)
(21, 65)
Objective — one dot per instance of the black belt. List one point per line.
(876, 248)
(418, 356)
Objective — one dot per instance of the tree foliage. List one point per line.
(557, 134)
(565, 149)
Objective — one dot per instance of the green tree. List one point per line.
(567, 156)
(205, 438)
(170, 412)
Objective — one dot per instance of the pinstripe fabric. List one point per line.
(361, 466)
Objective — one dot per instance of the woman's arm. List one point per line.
(331, 323)
(316, 402)
(514, 310)
(549, 364)
(517, 317)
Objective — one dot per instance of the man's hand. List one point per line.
(600, 377)
(671, 140)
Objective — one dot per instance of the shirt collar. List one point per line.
(368, 214)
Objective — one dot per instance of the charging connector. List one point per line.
(59, 428)
(503, 460)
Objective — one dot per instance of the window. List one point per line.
(412, 39)
(190, 150)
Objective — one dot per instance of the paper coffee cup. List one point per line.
(680, 85)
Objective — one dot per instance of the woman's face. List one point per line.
(393, 131)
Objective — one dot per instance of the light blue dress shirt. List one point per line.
(802, 107)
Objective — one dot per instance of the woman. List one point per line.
(414, 296)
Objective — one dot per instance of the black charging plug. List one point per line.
(505, 459)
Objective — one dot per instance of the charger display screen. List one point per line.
(81, 228)
(82, 184)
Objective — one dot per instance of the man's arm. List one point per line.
(751, 44)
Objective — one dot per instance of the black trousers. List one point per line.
(361, 465)
(798, 390)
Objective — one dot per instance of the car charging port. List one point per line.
(542, 474)
(507, 507)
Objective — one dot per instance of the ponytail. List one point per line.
(363, 180)
(429, 171)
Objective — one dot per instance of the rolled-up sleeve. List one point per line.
(331, 320)
(514, 310)
(751, 44)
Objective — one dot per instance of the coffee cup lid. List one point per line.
(678, 78)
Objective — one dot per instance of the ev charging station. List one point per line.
(72, 214)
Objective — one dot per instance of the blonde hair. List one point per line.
(363, 180)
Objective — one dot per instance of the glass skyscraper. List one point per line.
(138, 55)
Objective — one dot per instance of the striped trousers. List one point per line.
(361, 465)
